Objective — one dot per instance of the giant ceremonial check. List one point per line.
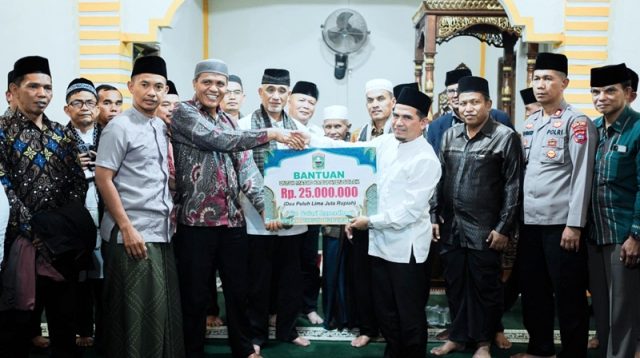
(320, 185)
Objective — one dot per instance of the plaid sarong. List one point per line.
(142, 303)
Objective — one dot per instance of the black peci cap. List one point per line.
(150, 64)
(552, 61)
(415, 99)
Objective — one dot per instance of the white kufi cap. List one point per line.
(335, 112)
(378, 84)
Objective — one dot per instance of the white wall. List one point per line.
(547, 15)
(252, 35)
(181, 45)
(135, 14)
(466, 49)
(44, 28)
(622, 48)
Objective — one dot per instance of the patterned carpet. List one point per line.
(330, 344)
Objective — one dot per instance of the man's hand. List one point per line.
(570, 239)
(360, 223)
(293, 139)
(87, 159)
(273, 225)
(497, 241)
(133, 243)
(435, 232)
(301, 137)
(630, 252)
(348, 231)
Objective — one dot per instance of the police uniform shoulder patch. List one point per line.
(558, 112)
(579, 130)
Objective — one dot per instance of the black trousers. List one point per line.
(197, 250)
(89, 309)
(399, 299)
(58, 299)
(275, 261)
(475, 293)
(511, 292)
(310, 270)
(552, 278)
(359, 268)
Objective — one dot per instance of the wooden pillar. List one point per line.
(417, 71)
(418, 56)
(532, 53)
(429, 54)
(508, 77)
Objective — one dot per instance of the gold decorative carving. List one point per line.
(464, 5)
(450, 25)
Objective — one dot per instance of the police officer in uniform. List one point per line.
(559, 147)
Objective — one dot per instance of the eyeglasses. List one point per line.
(235, 93)
(452, 91)
(78, 104)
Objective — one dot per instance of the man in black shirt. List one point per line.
(478, 198)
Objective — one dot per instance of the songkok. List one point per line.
(378, 84)
(172, 88)
(336, 112)
(150, 64)
(276, 76)
(415, 99)
(527, 96)
(81, 84)
(31, 64)
(397, 89)
(633, 76)
(236, 79)
(454, 76)
(308, 88)
(9, 78)
(211, 65)
(473, 84)
(609, 75)
(552, 61)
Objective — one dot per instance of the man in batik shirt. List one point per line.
(39, 171)
(211, 226)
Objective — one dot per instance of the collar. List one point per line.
(558, 113)
(386, 128)
(141, 116)
(619, 123)
(455, 117)
(202, 108)
(411, 146)
(266, 115)
(488, 128)
(25, 120)
(376, 132)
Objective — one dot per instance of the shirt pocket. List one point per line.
(553, 151)
(620, 165)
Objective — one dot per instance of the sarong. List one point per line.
(141, 303)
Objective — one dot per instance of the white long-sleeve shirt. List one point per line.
(407, 177)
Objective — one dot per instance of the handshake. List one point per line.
(293, 139)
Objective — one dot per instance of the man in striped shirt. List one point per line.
(614, 240)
